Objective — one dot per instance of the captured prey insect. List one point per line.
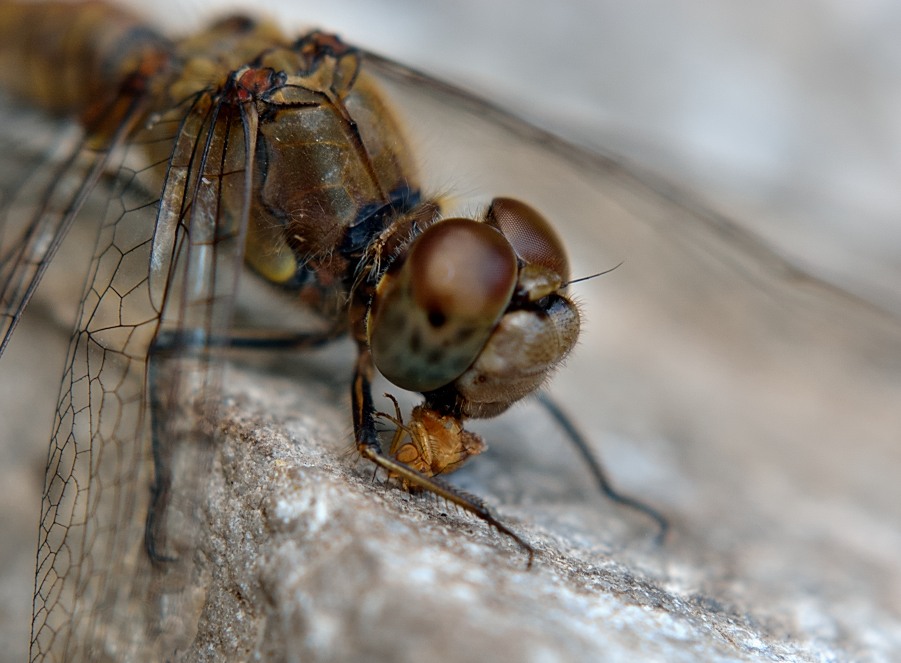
(238, 146)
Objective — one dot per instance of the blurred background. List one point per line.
(782, 116)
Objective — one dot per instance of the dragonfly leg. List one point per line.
(597, 470)
(369, 446)
(262, 339)
(160, 487)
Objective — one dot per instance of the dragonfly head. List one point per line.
(475, 314)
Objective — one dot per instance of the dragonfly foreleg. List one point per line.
(369, 446)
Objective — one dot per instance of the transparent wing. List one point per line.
(60, 184)
(160, 282)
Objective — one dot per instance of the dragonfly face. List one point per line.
(474, 315)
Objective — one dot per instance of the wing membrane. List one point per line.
(164, 261)
(25, 257)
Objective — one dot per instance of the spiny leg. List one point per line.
(600, 477)
(369, 446)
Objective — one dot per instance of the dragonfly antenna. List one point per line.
(586, 278)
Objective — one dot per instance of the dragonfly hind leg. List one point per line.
(600, 476)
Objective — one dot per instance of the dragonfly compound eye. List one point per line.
(532, 237)
(430, 318)
(538, 329)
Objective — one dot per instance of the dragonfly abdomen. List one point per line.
(64, 57)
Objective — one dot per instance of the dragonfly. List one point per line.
(230, 150)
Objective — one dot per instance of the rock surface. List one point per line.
(315, 561)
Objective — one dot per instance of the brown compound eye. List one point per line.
(532, 237)
(431, 319)
(462, 270)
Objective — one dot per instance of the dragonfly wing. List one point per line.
(60, 182)
(161, 282)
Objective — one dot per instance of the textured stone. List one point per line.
(318, 562)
